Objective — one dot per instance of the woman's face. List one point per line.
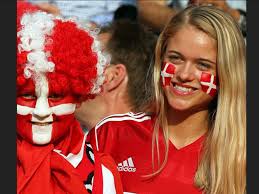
(43, 115)
(193, 54)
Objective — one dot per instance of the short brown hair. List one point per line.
(133, 44)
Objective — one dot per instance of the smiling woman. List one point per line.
(200, 63)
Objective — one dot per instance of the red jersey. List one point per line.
(128, 139)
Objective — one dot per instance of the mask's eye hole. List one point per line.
(55, 97)
(28, 96)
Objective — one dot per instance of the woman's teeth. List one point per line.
(183, 89)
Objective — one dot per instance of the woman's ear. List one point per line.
(114, 75)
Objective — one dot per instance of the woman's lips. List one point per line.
(182, 90)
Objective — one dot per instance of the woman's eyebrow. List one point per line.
(174, 52)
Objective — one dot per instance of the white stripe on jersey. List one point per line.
(130, 114)
(138, 117)
(74, 159)
(108, 181)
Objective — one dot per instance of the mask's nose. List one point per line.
(42, 108)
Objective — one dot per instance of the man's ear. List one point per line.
(114, 75)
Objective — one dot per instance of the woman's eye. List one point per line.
(204, 66)
(174, 58)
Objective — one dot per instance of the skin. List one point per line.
(221, 4)
(148, 14)
(114, 92)
(192, 52)
(90, 112)
(50, 8)
(104, 38)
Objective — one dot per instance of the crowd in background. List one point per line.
(153, 13)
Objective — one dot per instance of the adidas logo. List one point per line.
(127, 166)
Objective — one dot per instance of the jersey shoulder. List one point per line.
(124, 119)
(114, 128)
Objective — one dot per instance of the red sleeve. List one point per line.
(103, 147)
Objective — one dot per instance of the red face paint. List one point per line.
(61, 126)
(208, 83)
(24, 126)
(26, 94)
(168, 70)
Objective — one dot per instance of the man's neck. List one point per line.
(117, 102)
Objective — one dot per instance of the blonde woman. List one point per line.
(196, 140)
(203, 97)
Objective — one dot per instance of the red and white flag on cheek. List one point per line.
(167, 72)
(208, 84)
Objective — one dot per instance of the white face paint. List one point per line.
(41, 115)
(59, 110)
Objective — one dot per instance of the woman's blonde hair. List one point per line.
(222, 167)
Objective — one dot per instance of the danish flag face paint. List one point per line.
(167, 73)
(41, 119)
(208, 83)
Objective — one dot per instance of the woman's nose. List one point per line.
(185, 72)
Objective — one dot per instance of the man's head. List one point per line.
(58, 66)
(127, 85)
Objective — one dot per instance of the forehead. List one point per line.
(191, 41)
(29, 86)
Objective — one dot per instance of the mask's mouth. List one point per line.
(42, 123)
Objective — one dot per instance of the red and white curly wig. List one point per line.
(63, 50)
